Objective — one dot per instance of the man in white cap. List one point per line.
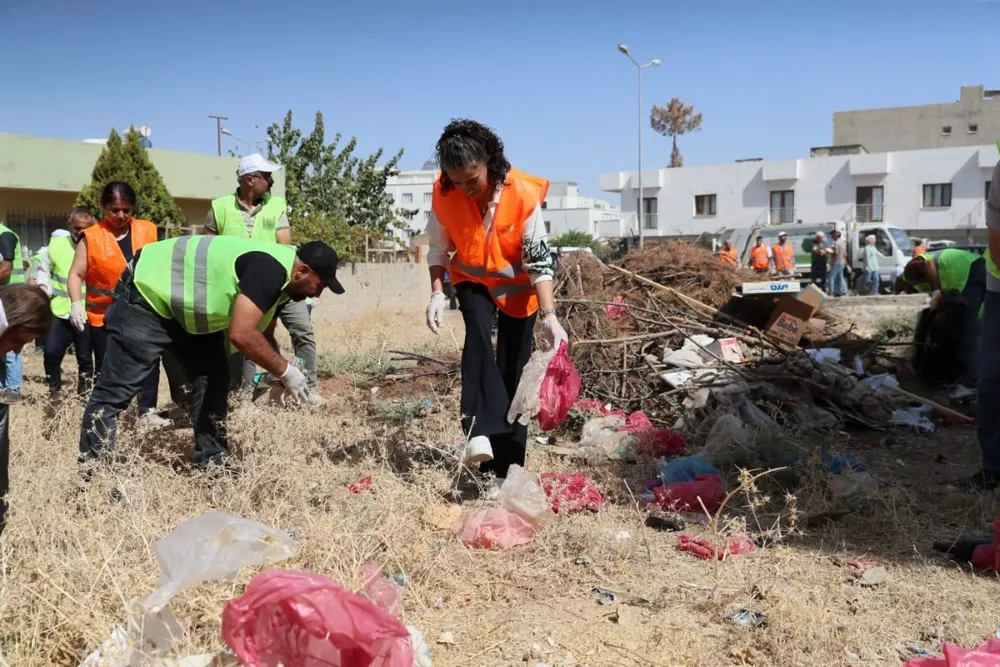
(253, 212)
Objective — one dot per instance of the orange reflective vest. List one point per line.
(728, 256)
(493, 260)
(105, 263)
(784, 256)
(758, 257)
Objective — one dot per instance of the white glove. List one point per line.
(295, 383)
(435, 311)
(935, 300)
(553, 330)
(77, 315)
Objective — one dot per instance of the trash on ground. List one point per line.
(362, 485)
(665, 523)
(702, 548)
(704, 493)
(573, 492)
(603, 595)
(524, 510)
(750, 619)
(873, 576)
(986, 654)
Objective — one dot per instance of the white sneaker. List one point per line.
(151, 420)
(478, 450)
(960, 392)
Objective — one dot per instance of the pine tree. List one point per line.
(128, 161)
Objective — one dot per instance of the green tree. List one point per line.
(129, 161)
(672, 120)
(332, 195)
(575, 239)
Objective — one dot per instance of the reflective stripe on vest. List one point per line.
(105, 263)
(493, 259)
(229, 219)
(17, 263)
(61, 252)
(192, 279)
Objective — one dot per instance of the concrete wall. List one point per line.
(917, 127)
(389, 288)
(825, 190)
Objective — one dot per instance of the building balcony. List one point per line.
(781, 216)
(869, 164)
(785, 170)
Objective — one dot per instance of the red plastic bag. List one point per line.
(300, 619)
(658, 443)
(617, 308)
(987, 556)
(986, 654)
(702, 548)
(494, 528)
(560, 389)
(683, 496)
(571, 493)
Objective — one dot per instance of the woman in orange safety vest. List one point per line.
(760, 256)
(101, 256)
(489, 215)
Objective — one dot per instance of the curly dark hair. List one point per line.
(465, 142)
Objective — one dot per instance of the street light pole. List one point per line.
(218, 133)
(652, 63)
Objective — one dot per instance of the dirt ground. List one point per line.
(70, 561)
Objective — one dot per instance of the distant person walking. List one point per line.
(99, 260)
(869, 265)
(838, 267)
(489, 215)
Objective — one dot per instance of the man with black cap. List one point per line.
(188, 294)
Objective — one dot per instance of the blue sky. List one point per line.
(767, 75)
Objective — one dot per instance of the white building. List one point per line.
(936, 192)
(564, 208)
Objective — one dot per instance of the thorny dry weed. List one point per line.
(71, 561)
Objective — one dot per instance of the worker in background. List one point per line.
(988, 389)
(188, 294)
(32, 279)
(490, 216)
(870, 264)
(11, 273)
(820, 256)
(728, 254)
(252, 212)
(838, 264)
(53, 277)
(959, 271)
(760, 256)
(98, 260)
(783, 256)
(919, 248)
(24, 316)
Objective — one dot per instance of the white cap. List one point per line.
(60, 233)
(820, 235)
(253, 163)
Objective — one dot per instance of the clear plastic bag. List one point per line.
(527, 402)
(522, 495)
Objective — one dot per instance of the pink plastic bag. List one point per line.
(702, 548)
(560, 389)
(571, 492)
(683, 496)
(987, 556)
(986, 654)
(300, 619)
(617, 308)
(494, 528)
(386, 594)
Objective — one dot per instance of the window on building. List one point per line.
(407, 197)
(427, 216)
(548, 227)
(868, 206)
(973, 128)
(937, 195)
(545, 204)
(946, 131)
(427, 197)
(704, 204)
(649, 212)
(34, 228)
(986, 192)
(782, 207)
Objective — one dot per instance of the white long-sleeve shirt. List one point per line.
(536, 258)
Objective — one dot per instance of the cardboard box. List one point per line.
(728, 349)
(788, 303)
(787, 329)
(768, 287)
(812, 295)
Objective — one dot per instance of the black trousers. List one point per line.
(137, 338)
(489, 379)
(60, 337)
(150, 389)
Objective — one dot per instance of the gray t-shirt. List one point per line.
(993, 219)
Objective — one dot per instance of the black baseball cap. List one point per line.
(322, 259)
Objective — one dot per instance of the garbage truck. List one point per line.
(894, 245)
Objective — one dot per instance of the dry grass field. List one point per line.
(70, 561)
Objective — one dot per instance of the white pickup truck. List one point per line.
(893, 243)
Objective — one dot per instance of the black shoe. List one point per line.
(983, 480)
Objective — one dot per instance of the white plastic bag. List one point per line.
(526, 404)
(521, 494)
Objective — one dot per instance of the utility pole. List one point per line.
(218, 133)
(640, 212)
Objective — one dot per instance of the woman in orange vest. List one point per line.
(101, 256)
(489, 215)
(760, 256)
(784, 255)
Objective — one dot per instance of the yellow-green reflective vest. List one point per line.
(230, 222)
(192, 279)
(17, 265)
(953, 267)
(61, 252)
